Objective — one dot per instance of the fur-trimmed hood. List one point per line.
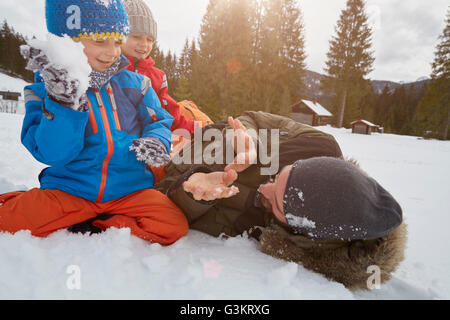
(342, 261)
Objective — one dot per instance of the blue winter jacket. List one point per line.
(88, 152)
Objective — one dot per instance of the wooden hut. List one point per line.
(310, 113)
(8, 95)
(365, 127)
(9, 101)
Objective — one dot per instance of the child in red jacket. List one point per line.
(137, 48)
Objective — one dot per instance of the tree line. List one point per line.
(11, 61)
(250, 55)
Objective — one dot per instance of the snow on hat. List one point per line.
(330, 198)
(87, 19)
(140, 17)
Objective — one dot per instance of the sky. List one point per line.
(405, 32)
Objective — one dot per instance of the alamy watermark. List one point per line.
(73, 282)
(374, 281)
(222, 148)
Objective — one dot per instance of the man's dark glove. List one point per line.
(151, 151)
(60, 86)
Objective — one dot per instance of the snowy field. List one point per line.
(12, 84)
(117, 265)
(8, 83)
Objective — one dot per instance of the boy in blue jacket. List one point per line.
(99, 147)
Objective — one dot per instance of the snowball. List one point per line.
(301, 222)
(64, 53)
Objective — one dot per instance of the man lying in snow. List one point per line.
(321, 211)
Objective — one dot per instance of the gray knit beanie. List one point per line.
(140, 18)
(329, 198)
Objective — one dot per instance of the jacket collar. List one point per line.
(142, 63)
(124, 63)
(99, 79)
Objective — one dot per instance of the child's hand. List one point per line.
(151, 151)
(211, 186)
(58, 83)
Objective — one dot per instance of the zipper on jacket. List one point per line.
(136, 63)
(110, 91)
(92, 117)
(110, 144)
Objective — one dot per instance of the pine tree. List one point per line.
(281, 53)
(7, 50)
(186, 84)
(395, 110)
(158, 56)
(294, 53)
(3, 36)
(181, 92)
(170, 68)
(398, 107)
(285, 102)
(223, 64)
(11, 61)
(383, 107)
(441, 63)
(349, 60)
(183, 61)
(368, 105)
(434, 109)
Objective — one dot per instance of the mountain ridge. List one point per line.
(312, 80)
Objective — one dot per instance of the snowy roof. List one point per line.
(370, 124)
(317, 108)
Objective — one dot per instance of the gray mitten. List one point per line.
(60, 86)
(151, 151)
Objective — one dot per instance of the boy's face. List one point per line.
(101, 53)
(138, 45)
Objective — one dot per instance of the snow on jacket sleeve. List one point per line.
(156, 121)
(180, 121)
(52, 133)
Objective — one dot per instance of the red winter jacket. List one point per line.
(158, 78)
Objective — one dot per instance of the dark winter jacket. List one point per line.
(346, 262)
(88, 152)
(240, 213)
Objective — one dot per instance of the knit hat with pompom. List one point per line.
(87, 19)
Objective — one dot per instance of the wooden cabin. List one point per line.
(9, 101)
(310, 113)
(8, 95)
(365, 127)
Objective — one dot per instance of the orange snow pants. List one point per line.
(149, 214)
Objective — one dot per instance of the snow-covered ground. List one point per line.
(8, 83)
(117, 265)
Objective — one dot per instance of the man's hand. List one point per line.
(244, 147)
(211, 186)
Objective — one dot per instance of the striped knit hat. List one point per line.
(141, 18)
(87, 19)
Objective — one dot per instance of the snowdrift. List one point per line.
(117, 265)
